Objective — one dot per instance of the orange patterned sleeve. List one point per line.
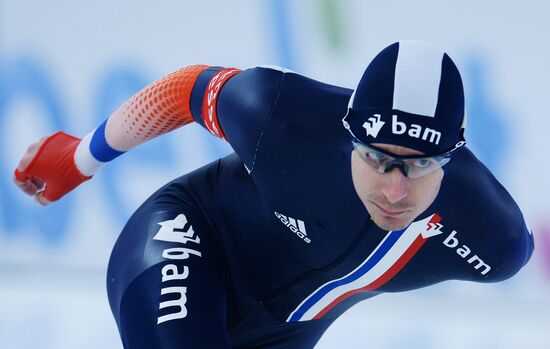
(157, 109)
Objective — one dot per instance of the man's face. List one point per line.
(393, 200)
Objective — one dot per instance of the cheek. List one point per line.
(365, 178)
(425, 189)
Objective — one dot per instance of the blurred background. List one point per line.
(66, 65)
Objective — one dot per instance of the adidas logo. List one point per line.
(373, 125)
(295, 225)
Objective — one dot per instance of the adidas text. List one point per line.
(296, 226)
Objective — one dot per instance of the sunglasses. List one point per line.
(412, 166)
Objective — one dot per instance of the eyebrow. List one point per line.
(391, 149)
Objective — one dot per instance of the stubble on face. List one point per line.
(400, 214)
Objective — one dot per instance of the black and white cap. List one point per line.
(411, 94)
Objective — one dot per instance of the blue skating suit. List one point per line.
(266, 247)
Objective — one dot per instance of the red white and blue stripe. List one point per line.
(387, 259)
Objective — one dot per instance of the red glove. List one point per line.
(47, 170)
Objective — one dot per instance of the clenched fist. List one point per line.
(48, 170)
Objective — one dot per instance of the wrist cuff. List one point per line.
(85, 162)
